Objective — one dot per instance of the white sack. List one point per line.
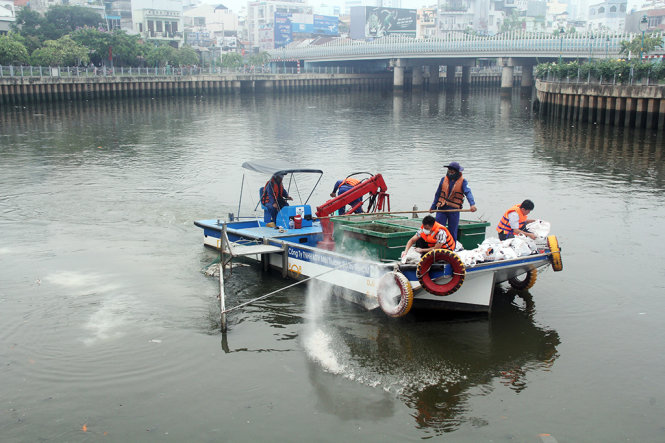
(540, 227)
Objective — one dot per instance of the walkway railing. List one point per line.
(461, 45)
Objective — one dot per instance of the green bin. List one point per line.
(379, 240)
(470, 233)
(357, 220)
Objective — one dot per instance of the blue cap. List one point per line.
(455, 165)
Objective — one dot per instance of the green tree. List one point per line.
(633, 46)
(28, 27)
(62, 20)
(231, 60)
(187, 56)
(160, 55)
(126, 49)
(12, 52)
(513, 22)
(61, 52)
(259, 59)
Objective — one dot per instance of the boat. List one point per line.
(358, 256)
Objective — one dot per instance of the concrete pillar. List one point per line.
(619, 110)
(661, 115)
(398, 74)
(640, 112)
(651, 110)
(507, 78)
(527, 76)
(450, 76)
(630, 109)
(417, 77)
(466, 77)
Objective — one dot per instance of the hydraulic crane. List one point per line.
(375, 186)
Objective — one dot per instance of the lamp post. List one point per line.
(562, 31)
(591, 38)
(644, 24)
(607, 48)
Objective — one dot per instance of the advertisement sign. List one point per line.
(302, 23)
(283, 35)
(326, 25)
(375, 22)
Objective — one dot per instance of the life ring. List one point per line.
(436, 256)
(387, 295)
(555, 253)
(526, 283)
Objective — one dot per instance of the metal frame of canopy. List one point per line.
(274, 167)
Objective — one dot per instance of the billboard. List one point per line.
(287, 24)
(283, 35)
(374, 22)
(326, 25)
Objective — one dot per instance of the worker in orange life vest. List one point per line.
(431, 235)
(514, 221)
(274, 197)
(450, 195)
(343, 186)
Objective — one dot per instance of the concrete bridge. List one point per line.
(421, 58)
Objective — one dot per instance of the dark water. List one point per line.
(109, 330)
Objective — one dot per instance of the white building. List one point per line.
(609, 15)
(215, 21)
(261, 17)
(7, 16)
(481, 16)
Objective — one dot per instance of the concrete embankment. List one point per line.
(640, 106)
(23, 90)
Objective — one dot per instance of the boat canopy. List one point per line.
(273, 167)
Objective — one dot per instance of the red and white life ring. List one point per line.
(388, 296)
(441, 256)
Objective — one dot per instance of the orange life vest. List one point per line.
(350, 182)
(456, 197)
(276, 188)
(504, 223)
(431, 237)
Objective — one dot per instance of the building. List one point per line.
(260, 19)
(119, 14)
(426, 26)
(7, 15)
(211, 25)
(609, 15)
(482, 16)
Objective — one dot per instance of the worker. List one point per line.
(274, 198)
(431, 235)
(514, 221)
(343, 186)
(450, 196)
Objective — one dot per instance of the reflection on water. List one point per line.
(429, 362)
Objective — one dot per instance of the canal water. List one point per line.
(110, 330)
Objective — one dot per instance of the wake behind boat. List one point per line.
(358, 255)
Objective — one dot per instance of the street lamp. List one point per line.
(607, 48)
(644, 24)
(562, 31)
(591, 39)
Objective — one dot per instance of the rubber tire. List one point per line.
(555, 253)
(406, 294)
(436, 256)
(526, 283)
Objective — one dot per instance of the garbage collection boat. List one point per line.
(358, 255)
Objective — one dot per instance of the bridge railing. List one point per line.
(78, 71)
(462, 45)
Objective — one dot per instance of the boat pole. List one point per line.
(222, 303)
(398, 212)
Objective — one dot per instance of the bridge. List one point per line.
(421, 58)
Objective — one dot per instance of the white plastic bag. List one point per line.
(411, 256)
(540, 227)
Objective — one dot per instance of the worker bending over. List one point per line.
(514, 221)
(343, 186)
(431, 235)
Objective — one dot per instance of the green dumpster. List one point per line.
(379, 240)
(357, 220)
(470, 233)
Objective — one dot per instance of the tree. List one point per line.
(231, 60)
(62, 20)
(61, 52)
(126, 49)
(160, 55)
(633, 46)
(28, 27)
(259, 59)
(12, 52)
(187, 56)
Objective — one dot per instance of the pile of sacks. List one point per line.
(493, 249)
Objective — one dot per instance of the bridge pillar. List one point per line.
(507, 78)
(398, 73)
(417, 77)
(527, 76)
(466, 77)
(432, 72)
(450, 76)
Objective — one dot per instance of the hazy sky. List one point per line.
(237, 5)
